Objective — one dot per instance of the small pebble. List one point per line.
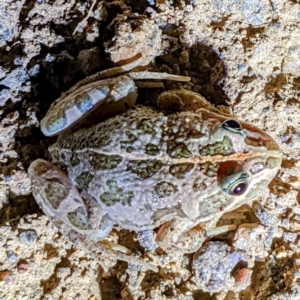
(296, 225)
(297, 275)
(250, 73)
(290, 237)
(244, 276)
(242, 68)
(27, 236)
(22, 268)
(285, 223)
(177, 279)
(280, 252)
(49, 58)
(150, 12)
(11, 257)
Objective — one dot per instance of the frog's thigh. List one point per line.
(123, 95)
(101, 99)
(182, 100)
(61, 202)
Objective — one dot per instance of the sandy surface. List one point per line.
(241, 54)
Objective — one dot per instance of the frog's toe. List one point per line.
(61, 202)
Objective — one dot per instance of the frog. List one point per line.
(156, 171)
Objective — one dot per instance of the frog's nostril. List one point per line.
(273, 162)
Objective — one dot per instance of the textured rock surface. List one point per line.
(243, 54)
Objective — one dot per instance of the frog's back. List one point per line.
(145, 168)
(139, 165)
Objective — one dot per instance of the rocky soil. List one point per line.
(244, 55)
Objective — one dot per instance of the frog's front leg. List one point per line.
(172, 234)
(62, 203)
(184, 234)
(168, 234)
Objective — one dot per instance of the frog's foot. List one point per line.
(79, 218)
(183, 100)
(117, 71)
(187, 236)
(61, 202)
(146, 75)
(170, 232)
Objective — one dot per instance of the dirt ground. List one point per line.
(244, 55)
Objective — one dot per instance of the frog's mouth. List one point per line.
(261, 139)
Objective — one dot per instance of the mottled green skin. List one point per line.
(145, 168)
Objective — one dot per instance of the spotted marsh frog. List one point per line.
(146, 168)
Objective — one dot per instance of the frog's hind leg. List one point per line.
(99, 97)
(140, 75)
(187, 235)
(146, 75)
(108, 73)
(82, 220)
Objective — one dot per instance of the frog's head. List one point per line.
(260, 160)
(248, 160)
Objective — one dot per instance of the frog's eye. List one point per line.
(236, 186)
(232, 126)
